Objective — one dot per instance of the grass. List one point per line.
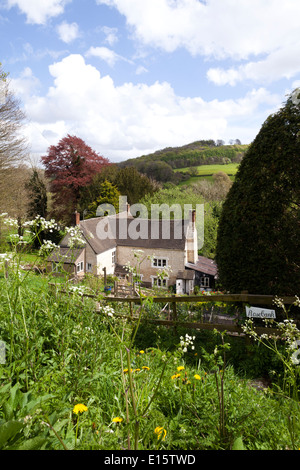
(137, 388)
(73, 377)
(206, 172)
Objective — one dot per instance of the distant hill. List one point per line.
(161, 164)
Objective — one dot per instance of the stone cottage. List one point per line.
(168, 250)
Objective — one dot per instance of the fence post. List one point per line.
(174, 314)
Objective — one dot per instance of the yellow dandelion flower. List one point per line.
(175, 376)
(180, 368)
(80, 408)
(142, 352)
(146, 368)
(117, 420)
(161, 432)
(197, 377)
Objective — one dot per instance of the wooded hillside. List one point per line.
(160, 165)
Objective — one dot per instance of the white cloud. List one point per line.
(68, 31)
(279, 64)
(130, 120)
(221, 29)
(26, 84)
(140, 70)
(38, 11)
(111, 36)
(224, 28)
(108, 55)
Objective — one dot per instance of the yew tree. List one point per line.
(70, 165)
(259, 228)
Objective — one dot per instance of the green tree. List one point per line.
(134, 185)
(108, 194)
(259, 228)
(37, 193)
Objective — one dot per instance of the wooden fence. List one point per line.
(172, 319)
(229, 324)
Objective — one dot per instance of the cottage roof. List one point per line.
(153, 234)
(104, 233)
(187, 275)
(204, 265)
(65, 255)
(108, 232)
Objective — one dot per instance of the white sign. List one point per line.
(256, 312)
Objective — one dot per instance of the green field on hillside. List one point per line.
(207, 172)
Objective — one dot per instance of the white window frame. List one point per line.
(79, 267)
(204, 281)
(114, 257)
(158, 282)
(160, 262)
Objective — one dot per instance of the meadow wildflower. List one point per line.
(175, 376)
(117, 419)
(197, 377)
(161, 432)
(80, 408)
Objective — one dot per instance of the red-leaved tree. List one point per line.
(70, 165)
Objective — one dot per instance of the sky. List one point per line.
(130, 77)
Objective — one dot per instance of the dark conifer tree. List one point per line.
(37, 191)
(259, 229)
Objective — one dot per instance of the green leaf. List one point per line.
(33, 444)
(238, 444)
(8, 431)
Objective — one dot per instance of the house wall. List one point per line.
(80, 259)
(104, 260)
(90, 258)
(176, 259)
(58, 268)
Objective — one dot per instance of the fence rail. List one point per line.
(227, 298)
(230, 324)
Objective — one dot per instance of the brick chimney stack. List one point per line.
(77, 218)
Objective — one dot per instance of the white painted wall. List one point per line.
(104, 260)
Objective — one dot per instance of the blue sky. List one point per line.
(133, 76)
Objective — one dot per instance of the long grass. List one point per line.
(60, 353)
(76, 376)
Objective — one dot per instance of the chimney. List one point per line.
(192, 239)
(192, 218)
(77, 218)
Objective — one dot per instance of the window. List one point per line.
(113, 257)
(89, 267)
(204, 281)
(159, 262)
(55, 267)
(79, 267)
(158, 282)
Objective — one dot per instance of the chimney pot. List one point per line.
(77, 218)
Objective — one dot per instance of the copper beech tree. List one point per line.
(70, 165)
